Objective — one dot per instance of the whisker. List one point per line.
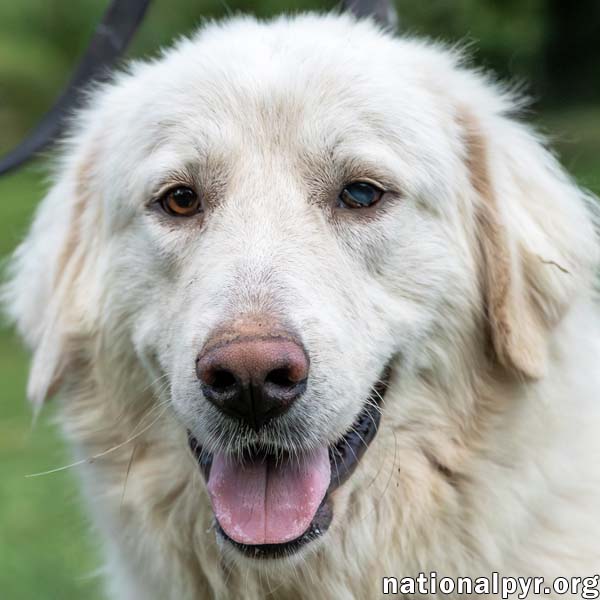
(127, 475)
(335, 464)
(359, 435)
(351, 448)
(152, 383)
(387, 485)
(93, 458)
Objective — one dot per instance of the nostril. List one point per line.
(280, 377)
(282, 385)
(221, 380)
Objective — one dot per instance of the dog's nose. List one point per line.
(253, 378)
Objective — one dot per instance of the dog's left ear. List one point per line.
(537, 242)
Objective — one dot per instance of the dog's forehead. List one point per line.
(289, 93)
(306, 81)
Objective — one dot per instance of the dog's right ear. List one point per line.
(49, 293)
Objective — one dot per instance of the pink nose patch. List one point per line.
(261, 501)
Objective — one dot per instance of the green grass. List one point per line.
(46, 551)
(575, 134)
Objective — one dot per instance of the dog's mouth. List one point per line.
(270, 506)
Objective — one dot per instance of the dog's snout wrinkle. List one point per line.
(253, 378)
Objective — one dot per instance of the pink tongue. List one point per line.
(260, 502)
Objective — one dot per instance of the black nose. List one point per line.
(254, 379)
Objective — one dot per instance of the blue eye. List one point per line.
(359, 195)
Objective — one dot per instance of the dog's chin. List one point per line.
(298, 509)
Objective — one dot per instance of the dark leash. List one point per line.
(383, 11)
(110, 40)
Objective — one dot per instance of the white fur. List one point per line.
(476, 274)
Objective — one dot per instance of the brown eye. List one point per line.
(359, 194)
(181, 202)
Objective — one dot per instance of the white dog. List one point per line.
(277, 239)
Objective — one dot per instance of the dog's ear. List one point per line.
(49, 293)
(537, 243)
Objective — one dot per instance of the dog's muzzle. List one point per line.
(271, 505)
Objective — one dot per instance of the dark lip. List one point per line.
(344, 457)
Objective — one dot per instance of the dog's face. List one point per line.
(272, 198)
(314, 211)
(284, 224)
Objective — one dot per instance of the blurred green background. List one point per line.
(552, 47)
